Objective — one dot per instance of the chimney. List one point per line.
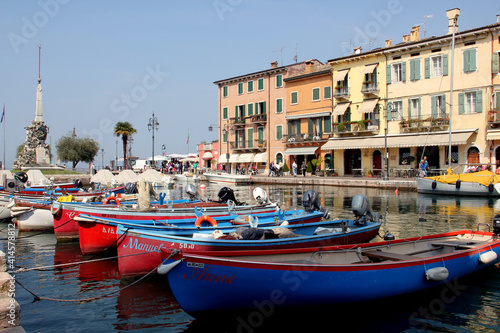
(274, 64)
(453, 15)
(309, 66)
(357, 50)
(388, 42)
(406, 38)
(415, 34)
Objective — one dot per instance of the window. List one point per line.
(396, 112)
(294, 97)
(436, 66)
(315, 94)
(398, 72)
(224, 91)
(240, 88)
(279, 105)
(414, 108)
(260, 84)
(469, 57)
(260, 108)
(224, 112)
(239, 111)
(279, 81)
(404, 154)
(470, 102)
(327, 124)
(438, 106)
(250, 109)
(327, 92)
(454, 154)
(224, 136)
(250, 86)
(279, 132)
(415, 69)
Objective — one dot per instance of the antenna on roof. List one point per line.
(281, 51)
(426, 17)
(296, 56)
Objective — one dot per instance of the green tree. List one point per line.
(124, 129)
(72, 149)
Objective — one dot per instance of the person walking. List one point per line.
(294, 169)
(303, 167)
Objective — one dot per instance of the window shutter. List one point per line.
(243, 110)
(290, 129)
(443, 107)
(409, 108)
(417, 69)
(412, 69)
(236, 110)
(320, 129)
(427, 63)
(466, 61)
(310, 127)
(461, 107)
(473, 66)
(388, 73)
(264, 107)
(494, 63)
(388, 110)
(419, 108)
(279, 80)
(403, 72)
(498, 101)
(433, 106)
(279, 132)
(328, 124)
(250, 109)
(279, 105)
(445, 64)
(224, 112)
(479, 101)
(327, 93)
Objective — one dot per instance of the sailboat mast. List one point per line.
(451, 86)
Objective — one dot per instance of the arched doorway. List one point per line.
(473, 155)
(352, 160)
(377, 163)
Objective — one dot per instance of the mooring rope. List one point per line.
(89, 299)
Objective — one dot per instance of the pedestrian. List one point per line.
(294, 169)
(271, 167)
(423, 171)
(303, 167)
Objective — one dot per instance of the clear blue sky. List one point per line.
(110, 61)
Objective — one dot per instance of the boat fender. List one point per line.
(434, 184)
(203, 218)
(111, 198)
(165, 268)
(457, 185)
(491, 188)
(437, 274)
(487, 257)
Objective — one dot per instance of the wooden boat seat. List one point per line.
(384, 255)
(459, 244)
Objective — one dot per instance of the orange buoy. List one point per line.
(396, 192)
(108, 199)
(202, 218)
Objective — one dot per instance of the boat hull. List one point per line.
(228, 178)
(430, 186)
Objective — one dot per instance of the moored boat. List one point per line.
(481, 183)
(223, 177)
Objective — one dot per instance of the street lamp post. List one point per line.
(116, 156)
(152, 126)
(102, 152)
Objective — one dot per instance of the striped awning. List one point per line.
(309, 115)
(222, 158)
(368, 105)
(246, 158)
(340, 76)
(493, 135)
(234, 158)
(341, 108)
(369, 69)
(260, 158)
(301, 151)
(207, 155)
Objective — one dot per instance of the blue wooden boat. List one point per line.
(214, 281)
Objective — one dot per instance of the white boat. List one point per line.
(187, 177)
(481, 183)
(222, 177)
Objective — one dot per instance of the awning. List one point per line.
(260, 158)
(301, 151)
(246, 158)
(369, 69)
(341, 108)
(368, 105)
(208, 155)
(309, 115)
(340, 76)
(222, 158)
(234, 158)
(493, 136)
(399, 141)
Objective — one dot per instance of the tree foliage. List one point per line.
(124, 129)
(73, 149)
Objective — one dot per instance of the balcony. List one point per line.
(425, 123)
(248, 145)
(341, 92)
(359, 127)
(238, 121)
(494, 119)
(306, 138)
(370, 88)
(258, 119)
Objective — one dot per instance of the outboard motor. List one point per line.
(310, 201)
(226, 194)
(260, 196)
(362, 210)
(21, 176)
(496, 225)
(78, 183)
(130, 188)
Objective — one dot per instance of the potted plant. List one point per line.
(341, 127)
(309, 169)
(317, 165)
(286, 169)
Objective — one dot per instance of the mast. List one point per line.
(454, 18)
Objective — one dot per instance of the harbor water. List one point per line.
(92, 297)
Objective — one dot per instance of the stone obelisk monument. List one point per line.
(35, 152)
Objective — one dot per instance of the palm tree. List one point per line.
(124, 129)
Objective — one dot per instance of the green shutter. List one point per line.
(328, 124)
(250, 86)
(388, 73)
(494, 63)
(224, 113)
(419, 108)
(279, 105)
(264, 107)
(279, 80)
(236, 110)
(412, 69)
(498, 101)
(427, 63)
(479, 101)
(433, 107)
(404, 72)
(327, 92)
(315, 94)
(445, 64)
(261, 84)
(443, 107)
(466, 61)
(250, 109)
(417, 69)
(279, 132)
(290, 129)
(473, 54)
(461, 107)
(388, 110)
(409, 108)
(243, 111)
(297, 127)
(310, 127)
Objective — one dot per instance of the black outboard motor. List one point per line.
(362, 210)
(130, 188)
(21, 176)
(310, 201)
(226, 194)
(496, 225)
(78, 183)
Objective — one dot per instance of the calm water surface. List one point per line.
(147, 305)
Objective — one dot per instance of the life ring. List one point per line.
(105, 201)
(203, 218)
